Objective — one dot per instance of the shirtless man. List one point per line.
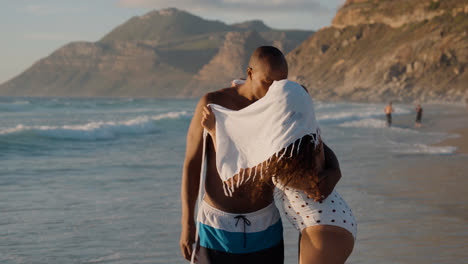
(254, 229)
(388, 113)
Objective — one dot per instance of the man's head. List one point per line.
(267, 64)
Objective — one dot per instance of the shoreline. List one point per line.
(451, 120)
(454, 123)
(410, 209)
(435, 180)
(460, 142)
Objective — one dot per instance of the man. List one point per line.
(236, 229)
(388, 113)
(419, 112)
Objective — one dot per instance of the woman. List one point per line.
(327, 226)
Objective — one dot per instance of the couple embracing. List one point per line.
(246, 146)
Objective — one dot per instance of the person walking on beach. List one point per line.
(419, 112)
(227, 224)
(388, 113)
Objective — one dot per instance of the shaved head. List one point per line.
(270, 60)
(267, 64)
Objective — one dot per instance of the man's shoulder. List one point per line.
(219, 95)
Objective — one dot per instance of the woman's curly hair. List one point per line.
(295, 165)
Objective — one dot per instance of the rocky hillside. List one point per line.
(98, 69)
(388, 50)
(394, 13)
(230, 62)
(157, 54)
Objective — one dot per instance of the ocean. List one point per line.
(98, 180)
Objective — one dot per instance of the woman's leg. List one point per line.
(325, 244)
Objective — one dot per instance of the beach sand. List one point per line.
(414, 209)
(456, 122)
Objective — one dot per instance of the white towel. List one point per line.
(248, 137)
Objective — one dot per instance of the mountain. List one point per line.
(164, 26)
(384, 50)
(229, 63)
(164, 53)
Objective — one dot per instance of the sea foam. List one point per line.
(426, 149)
(356, 114)
(98, 129)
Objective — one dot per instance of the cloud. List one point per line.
(249, 6)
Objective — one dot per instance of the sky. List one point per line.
(32, 29)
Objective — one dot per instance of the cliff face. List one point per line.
(154, 55)
(395, 13)
(410, 58)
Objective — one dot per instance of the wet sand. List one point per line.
(455, 123)
(461, 142)
(414, 209)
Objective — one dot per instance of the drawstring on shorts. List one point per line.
(246, 223)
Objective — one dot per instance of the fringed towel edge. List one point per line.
(228, 185)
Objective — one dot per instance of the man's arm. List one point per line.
(328, 178)
(191, 178)
(331, 173)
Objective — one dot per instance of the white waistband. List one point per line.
(259, 220)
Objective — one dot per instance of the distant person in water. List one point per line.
(388, 113)
(419, 112)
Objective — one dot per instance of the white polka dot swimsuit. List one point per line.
(302, 211)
